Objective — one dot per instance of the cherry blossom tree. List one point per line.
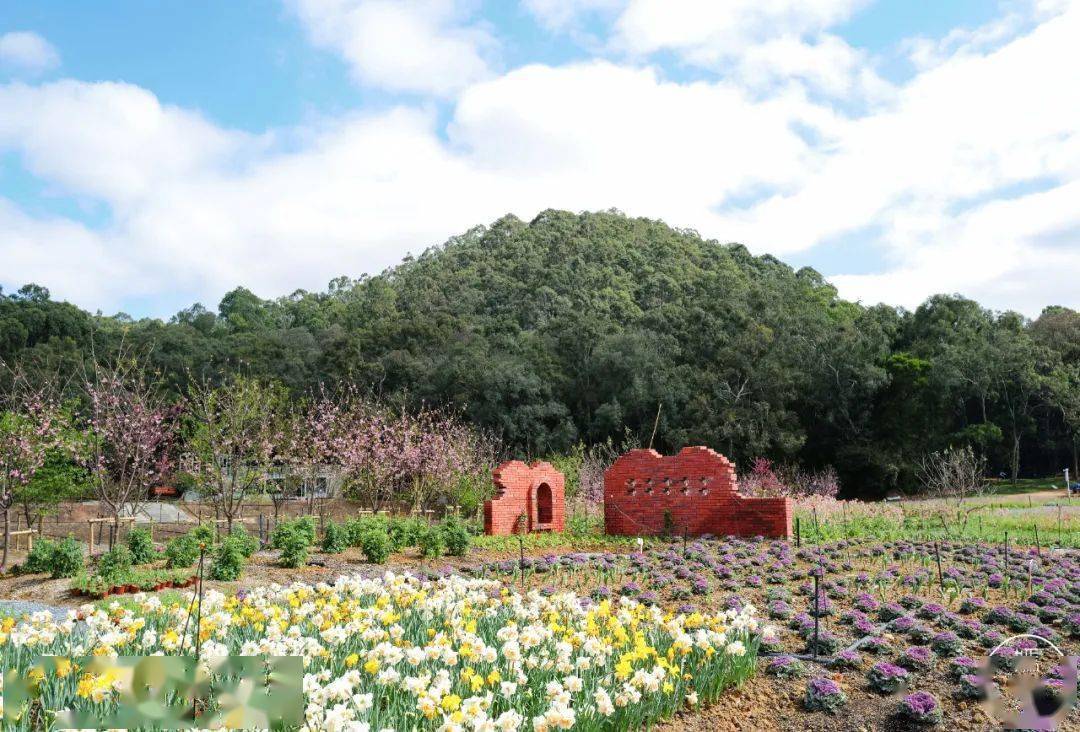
(386, 455)
(31, 422)
(234, 432)
(130, 433)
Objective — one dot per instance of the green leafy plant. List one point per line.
(335, 538)
(455, 536)
(306, 524)
(229, 559)
(248, 543)
(183, 551)
(204, 534)
(304, 527)
(141, 545)
(293, 541)
(430, 542)
(40, 557)
(67, 559)
(115, 562)
(405, 532)
(376, 546)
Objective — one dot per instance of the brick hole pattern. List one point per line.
(516, 486)
(698, 486)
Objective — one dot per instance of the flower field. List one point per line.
(619, 639)
(395, 652)
(889, 618)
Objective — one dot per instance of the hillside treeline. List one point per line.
(584, 328)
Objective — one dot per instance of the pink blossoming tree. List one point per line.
(131, 430)
(235, 430)
(31, 422)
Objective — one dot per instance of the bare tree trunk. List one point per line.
(1015, 456)
(7, 540)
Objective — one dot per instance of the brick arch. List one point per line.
(697, 487)
(544, 507)
(518, 493)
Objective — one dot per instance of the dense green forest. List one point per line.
(578, 328)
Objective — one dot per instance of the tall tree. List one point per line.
(30, 424)
(235, 432)
(131, 429)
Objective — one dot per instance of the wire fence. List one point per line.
(100, 532)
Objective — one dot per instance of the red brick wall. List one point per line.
(698, 486)
(516, 487)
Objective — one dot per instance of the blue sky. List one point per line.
(156, 154)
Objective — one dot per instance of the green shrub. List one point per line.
(376, 545)
(335, 538)
(455, 536)
(40, 557)
(183, 551)
(67, 559)
(293, 541)
(355, 528)
(141, 545)
(204, 534)
(353, 531)
(304, 526)
(115, 562)
(405, 532)
(229, 560)
(248, 543)
(430, 542)
(581, 524)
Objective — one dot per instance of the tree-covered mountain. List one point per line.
(580, 327)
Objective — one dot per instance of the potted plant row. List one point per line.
(131, 581)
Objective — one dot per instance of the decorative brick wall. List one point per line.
(521, 488)
(698, 486)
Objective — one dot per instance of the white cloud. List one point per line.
(707, 32)
(968, 129)
(424, 46)
(28, 52)
(561, 14)
(969, 171)
(109, 140)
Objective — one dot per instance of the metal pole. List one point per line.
(1038, 547)
(521, 562)
(198, 610)
(940, 577)
(817, 613)
(1006, 560)
(798, 532)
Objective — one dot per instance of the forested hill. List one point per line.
(576, 327)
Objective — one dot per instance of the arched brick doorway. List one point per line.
(544, 505)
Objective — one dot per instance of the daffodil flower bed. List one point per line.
(399, 653)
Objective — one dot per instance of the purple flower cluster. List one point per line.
(785, 667)
(887, 678)
(922, 707)
(824, 695)
(917, 658)
(846, 660)
(946, 643)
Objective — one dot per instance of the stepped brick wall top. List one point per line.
(536, 491)
(698, 488)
